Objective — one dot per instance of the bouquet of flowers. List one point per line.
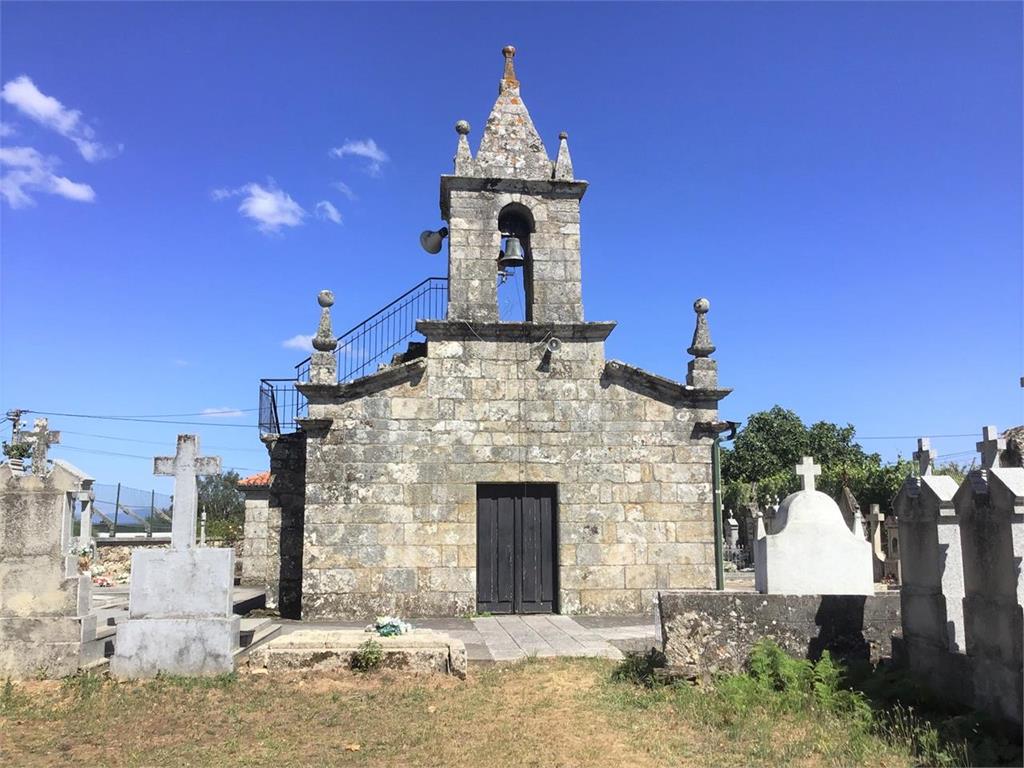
(389, 626)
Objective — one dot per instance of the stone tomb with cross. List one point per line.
(990, 510)
(180, 618)
(812, 551)
(932, 572)
(45, 625)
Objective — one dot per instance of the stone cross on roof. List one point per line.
(41, 438)
(807, 470)
(184, 466)
(923, 456)
(990, 447)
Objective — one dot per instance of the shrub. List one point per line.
(639, 667)
(368, 657)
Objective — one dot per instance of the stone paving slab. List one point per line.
(503, 639)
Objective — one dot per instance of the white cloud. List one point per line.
(181, 363)
(27, 171)
(222, 413)
(6, 129)
(345, 189)
(23, 94)
(326, 210)
(299, 341)
(270, 207)
(364, 148)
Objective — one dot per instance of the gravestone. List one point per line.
(990, 508)
(876, 520)
(811, 551)
(40, 438)
(932, 586)
(45, 626)
(180, 618)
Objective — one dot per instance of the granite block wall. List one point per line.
(391, 476)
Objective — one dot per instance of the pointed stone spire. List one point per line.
(323, 368)
(463, 154)
(511, 146)
(702, 371)
(563, 165)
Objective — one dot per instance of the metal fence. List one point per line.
(361, 350)
(120, 510)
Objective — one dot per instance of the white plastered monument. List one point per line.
(812, 551)
(180, 618)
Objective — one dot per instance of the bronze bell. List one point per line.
(512, 256)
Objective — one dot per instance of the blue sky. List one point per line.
(843, 181)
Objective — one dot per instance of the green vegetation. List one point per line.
(759, 465)
(873, 709)
(224, 505)
(368, 657)
(544, 712)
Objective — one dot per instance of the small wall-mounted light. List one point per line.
(431, 239)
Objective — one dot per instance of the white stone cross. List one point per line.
(990, 447)
(41, 438)
(923, 456)
(185, 465)
(807, 470)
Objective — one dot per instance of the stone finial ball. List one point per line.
(325, 298)
(700, 306)
(509, 50)
(563, 136)
(462, 127)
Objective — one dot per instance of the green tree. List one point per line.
(759, 466)
(224, 505)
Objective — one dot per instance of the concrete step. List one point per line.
(253, 632)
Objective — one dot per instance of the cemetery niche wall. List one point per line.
(963, 591)
(500, 466)
(45, 624)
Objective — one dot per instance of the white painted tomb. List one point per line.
(812, 551)
(180, 618)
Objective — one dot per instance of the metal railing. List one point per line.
(362, 350)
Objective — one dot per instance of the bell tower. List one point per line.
(512, 196)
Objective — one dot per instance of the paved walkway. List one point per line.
(491, 639)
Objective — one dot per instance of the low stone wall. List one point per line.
(706, 632)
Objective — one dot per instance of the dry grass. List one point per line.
(551, 713)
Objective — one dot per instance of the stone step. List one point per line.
(252, 631)
(421, 650)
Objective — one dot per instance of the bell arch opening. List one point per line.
(515, 283)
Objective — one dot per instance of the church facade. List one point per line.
(506, 467)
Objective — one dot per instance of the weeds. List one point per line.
(368, 657)
(815, 699)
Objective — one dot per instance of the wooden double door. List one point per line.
(516, 546)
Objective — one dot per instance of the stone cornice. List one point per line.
(540, 187)
(457, 330)
(659, 387)
(367, 385)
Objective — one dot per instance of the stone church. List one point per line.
(503, 467)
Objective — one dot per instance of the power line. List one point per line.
(132, 455)
(158, 442)
(142, 419)
(215, 413)
(909, 436)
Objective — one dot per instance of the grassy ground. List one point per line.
(555, 712)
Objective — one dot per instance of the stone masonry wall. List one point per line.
(555, 243)
(390, 506)
(258, 565)
(285, 520)
(707, 632)
(40, 605)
